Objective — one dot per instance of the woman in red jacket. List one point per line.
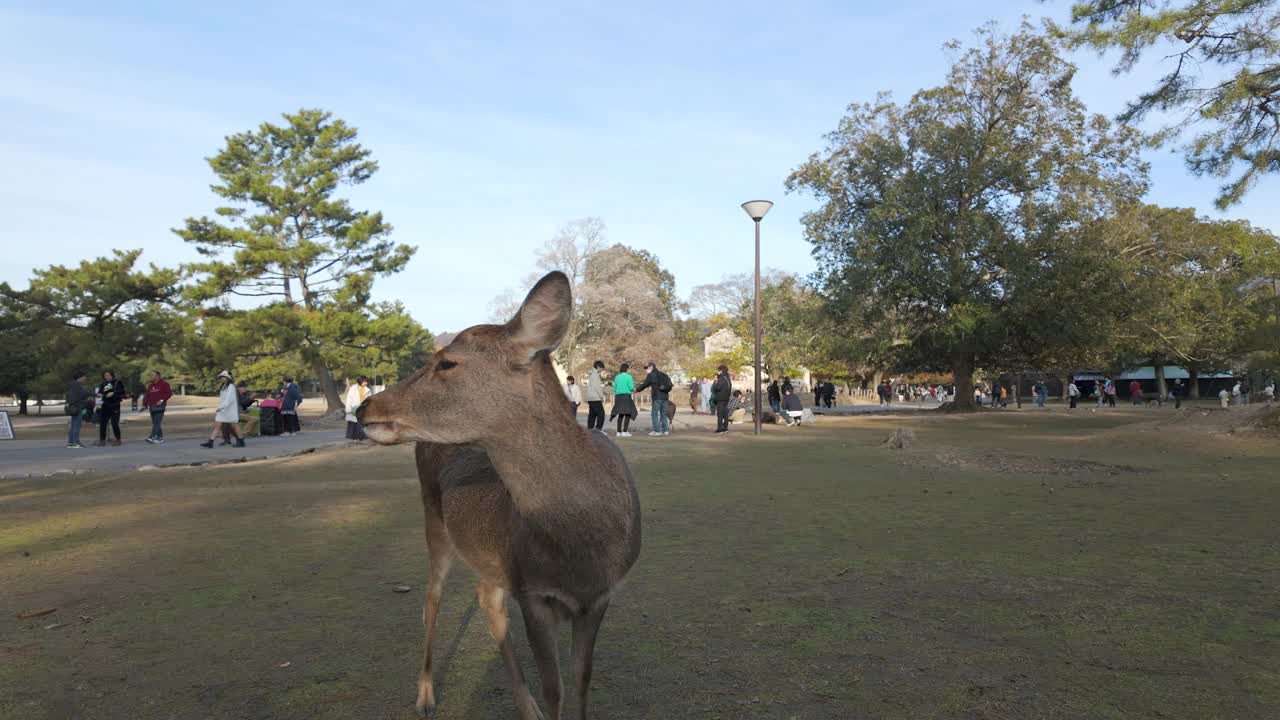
(155, 400)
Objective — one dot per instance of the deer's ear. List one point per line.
(543, 319)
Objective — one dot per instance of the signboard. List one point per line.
(6, 426)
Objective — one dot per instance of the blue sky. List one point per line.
(493, 122)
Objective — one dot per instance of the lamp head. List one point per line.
(757, 209)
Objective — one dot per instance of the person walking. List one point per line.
(110, 393)
(828, 393)
(1135, 392)
(695, 396)
(1109, 392)
(595, 397)
(721, 393)
(1269, 392)
(154, 399)
(227, 418)
(290, 399)
(573, 394)
(1177, 391)
(624, 406)
(775, 397)
(356, 395)
(659, 385)
(818, 389)
(77, 403)
(1073, 394)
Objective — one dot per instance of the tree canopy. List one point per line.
(287, 237)
(1239, 107)
(960, 220)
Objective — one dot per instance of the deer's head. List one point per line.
(489, 374)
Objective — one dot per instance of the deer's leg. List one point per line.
(540, 623)
(441, 559)
(585, 628)
(493, 602)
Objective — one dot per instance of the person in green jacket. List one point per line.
(624, 408)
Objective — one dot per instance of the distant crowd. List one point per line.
(276, 411)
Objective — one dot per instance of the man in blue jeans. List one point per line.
(659, 384)
(75, 403)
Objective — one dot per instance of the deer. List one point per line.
(542, 510)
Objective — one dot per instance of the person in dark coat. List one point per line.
(77, 403)
(775, 397)
(659, 385)
(786, 385)
(721, 392)
(828, 394)
(818, 389)
(110, 393)
(290, 399)
(794, 408)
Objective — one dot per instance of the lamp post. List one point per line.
(756, 210)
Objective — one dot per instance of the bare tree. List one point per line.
(623, 317)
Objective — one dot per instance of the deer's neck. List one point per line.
(546, 464)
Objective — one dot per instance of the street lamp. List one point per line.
(757, 209)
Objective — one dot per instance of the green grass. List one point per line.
(1009, 565)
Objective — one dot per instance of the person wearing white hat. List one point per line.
(228, 415)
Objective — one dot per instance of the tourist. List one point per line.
(110, 393)
(1177, 391)
(290, 399)
(1224, 398)
(737, 407)
(1041, 391)
(1073, 394)
(775, 397)
(595, 397)
(356, 395)
(794, 408)
(818, 389)
(786, 385)
(155, 399)
(659, 385)
(77, 403)
(721, 390)
(695, 396)
(573, 393)
(1135, 392)
(1109, 392)
(226, 421)
(1269, 392)
(624, 407)
(828, 393)
(884, 392)
(708, 406)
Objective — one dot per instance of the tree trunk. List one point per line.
(333, 403)
(1161, 386)
(1193, 392)
(962, 370)
(22, 401)
(1017, 390)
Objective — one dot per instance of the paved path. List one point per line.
(22, 458)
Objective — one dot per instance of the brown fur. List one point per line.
(540, 508)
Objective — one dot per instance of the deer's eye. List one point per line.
(445, 365)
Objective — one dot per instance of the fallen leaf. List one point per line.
(36, 613)
(284, 664)
(401, 589)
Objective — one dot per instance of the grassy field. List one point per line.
(1005, 566)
